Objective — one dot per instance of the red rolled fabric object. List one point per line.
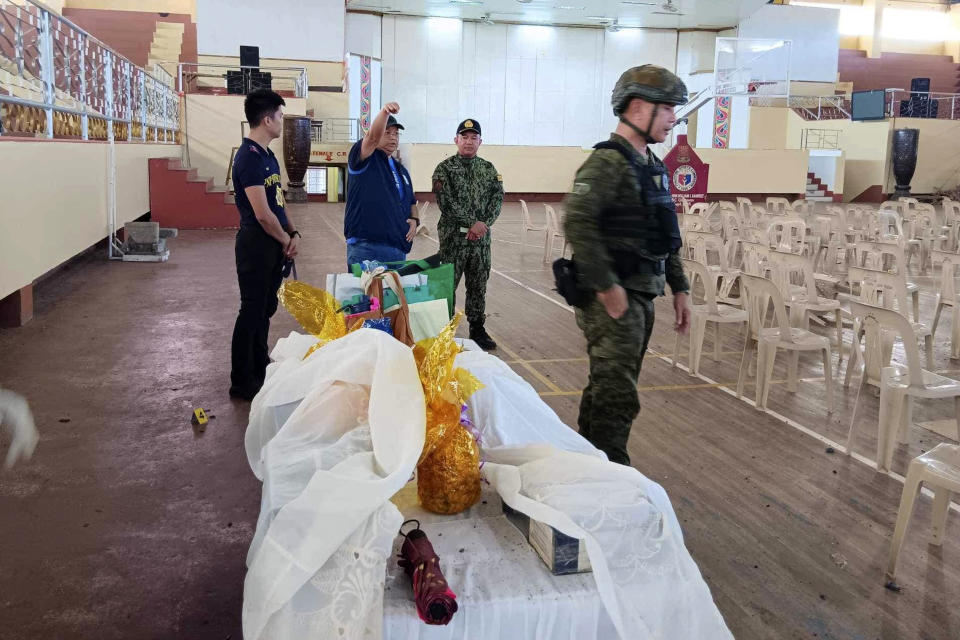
(436, 603)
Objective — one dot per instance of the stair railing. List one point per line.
(57, 80)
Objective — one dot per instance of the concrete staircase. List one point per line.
(166, 46)
(180, 198)
(818, 192)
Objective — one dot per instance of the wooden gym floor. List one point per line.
(128, 525)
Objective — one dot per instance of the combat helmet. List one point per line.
(648, 82)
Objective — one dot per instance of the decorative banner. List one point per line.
(364, 94)
(721, 122)
(688, 174)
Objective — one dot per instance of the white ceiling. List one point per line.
(691, 14)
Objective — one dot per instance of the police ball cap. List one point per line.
(648, 82)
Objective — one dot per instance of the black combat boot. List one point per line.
(479, 335)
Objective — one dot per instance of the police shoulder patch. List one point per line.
(581, 188)
(499, 178)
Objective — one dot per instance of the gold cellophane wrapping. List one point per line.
(448, 474)
(316, 310)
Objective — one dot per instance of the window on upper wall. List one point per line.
(316, 180)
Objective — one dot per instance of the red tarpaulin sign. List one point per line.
(688, 174)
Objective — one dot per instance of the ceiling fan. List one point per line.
(669, 9)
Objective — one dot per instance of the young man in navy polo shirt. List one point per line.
(265, 240)
(381, 217)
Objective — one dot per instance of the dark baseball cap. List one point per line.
(392, 122)
(469, 125)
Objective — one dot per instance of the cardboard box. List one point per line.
(561, 553)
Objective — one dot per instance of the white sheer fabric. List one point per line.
(351, 443)
(335, 436)
(508, 412)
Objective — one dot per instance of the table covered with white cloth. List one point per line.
(335, 438)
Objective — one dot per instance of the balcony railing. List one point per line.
(900, 103)
(57, 80)
(335, 130)
(820, 139)
(193, 77)
(922, 104)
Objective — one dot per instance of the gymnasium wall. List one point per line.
(938, 164)
(293, 29)
(213, 129)
(550, 170)
(866, 146)
(526, 84)
(44, 227)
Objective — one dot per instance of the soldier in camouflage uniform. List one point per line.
(622, 224)
(469, 193)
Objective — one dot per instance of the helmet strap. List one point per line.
(640, 132)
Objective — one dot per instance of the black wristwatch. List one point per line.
(416, 219)
(294, 233)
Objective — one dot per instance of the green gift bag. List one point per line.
(439, 281)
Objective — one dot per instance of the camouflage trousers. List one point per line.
(616, 347)
(471, 261)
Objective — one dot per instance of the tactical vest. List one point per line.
(653, 224)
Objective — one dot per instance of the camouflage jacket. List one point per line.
(468, 190)
(607, 178)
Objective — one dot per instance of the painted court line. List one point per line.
(554, 389)
(782, 418)
(680, 387)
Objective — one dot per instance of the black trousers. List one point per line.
(259, 265)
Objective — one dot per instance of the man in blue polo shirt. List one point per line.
(265, 240)
(381, 217)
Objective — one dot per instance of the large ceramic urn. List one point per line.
(296, 155)
(906, 142)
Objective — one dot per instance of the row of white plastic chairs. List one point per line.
(795, 282)
(828, 234)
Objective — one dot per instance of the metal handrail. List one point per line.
(931, 96)
(87, 34)
(118, 91)
(299, 80)
(334, 130)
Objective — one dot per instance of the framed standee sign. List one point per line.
(688, 174)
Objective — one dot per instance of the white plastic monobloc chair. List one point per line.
(527, 225)
(804, 300)
(700, 245)
(759, 294)
(894, 290)
(940, 469)
(947, 297)
(888, 255)
(899, 384)
(554, 233)
(779, 206)
(422, 209)
(701, 314)
(787, 234)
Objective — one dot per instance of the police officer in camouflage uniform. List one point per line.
(469, 194)
(622, 224)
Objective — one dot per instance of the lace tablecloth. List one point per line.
(503, 588)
